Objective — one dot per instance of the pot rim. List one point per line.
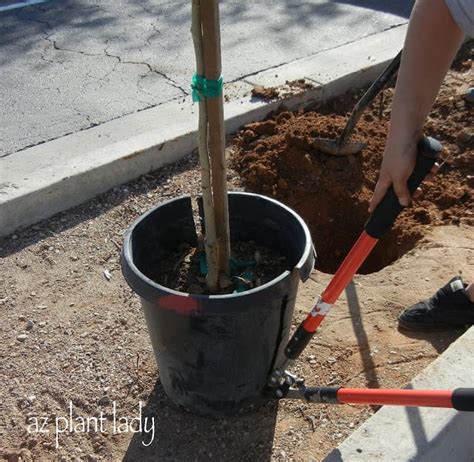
(127, 259)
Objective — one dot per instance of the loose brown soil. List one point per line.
(73, 332)
(289, 88)
(277, 157)
(182, 271)
(265, 93)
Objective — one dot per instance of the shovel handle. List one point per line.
(368, 97)
(389, 207)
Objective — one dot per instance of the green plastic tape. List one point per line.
(206, 88)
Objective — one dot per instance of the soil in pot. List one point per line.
(252, 266)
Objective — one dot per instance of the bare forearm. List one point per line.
(432, 41)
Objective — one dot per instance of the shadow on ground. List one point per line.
(439, 339)
(91, 21)
(363, 344)
(179, 435)
(402, 8)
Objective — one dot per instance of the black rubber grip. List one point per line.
(463, 399)
(298, 342)
(389, 207)
(322, 395)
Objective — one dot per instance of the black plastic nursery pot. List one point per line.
(215, 352)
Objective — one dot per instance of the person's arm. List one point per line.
(432, 41)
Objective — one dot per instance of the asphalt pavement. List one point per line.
(69, 65)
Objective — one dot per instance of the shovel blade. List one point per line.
(333, 148)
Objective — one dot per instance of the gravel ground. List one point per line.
(75, 343)
(74, 333)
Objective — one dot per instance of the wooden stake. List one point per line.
(216, 135)
(212, 279)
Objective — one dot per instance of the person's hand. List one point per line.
(397, 166)
(395, 170)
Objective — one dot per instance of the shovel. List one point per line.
(283, 384)
(342, 146)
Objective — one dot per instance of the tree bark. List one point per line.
(216, 134)
(210, 239)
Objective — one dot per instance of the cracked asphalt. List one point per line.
(68, 65)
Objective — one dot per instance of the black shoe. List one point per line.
(449, 307)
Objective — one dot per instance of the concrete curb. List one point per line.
(420, 434)
(43, 180)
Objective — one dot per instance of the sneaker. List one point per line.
(449, 307)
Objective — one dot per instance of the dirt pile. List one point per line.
(276, 157)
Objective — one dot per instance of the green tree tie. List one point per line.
(206, 88)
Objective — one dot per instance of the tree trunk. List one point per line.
(211, 247)
(216, 135)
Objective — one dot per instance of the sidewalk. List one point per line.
(71, 65)
(420, 434)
